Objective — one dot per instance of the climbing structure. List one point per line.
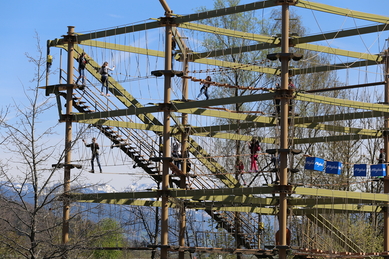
(144, 132)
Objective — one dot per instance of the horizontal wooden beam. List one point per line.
(384, 109)
(342, 11)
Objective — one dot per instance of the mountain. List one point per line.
(106, 188)
(26, 190)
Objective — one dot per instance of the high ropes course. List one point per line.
(192, 148)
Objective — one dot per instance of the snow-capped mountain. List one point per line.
(26, 190)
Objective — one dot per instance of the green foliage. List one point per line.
(366, 235)
(110, 235)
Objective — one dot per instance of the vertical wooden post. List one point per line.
(184, 154)
(47, 63)
(284, 144)
(260, 226)
(68, 136)
(166, 139)
(386, 147)
(184, 121)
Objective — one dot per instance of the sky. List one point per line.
(23, 20)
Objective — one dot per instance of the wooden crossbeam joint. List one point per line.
(66, 117)
(287, 56)
(63, 197)
(166, 107)
(385, 132)
(159, 73)
(158, 159)
(284, 94)
(188, 129)
(71, 166)
(69, 38)
(159, 246)
(163, 193)
(282, 150)
(282, 247)
(289, 2)
(283, 189)
(167, 21)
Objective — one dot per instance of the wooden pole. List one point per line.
(166, 141)
(184, 135)
(184, 154)
(386, 147)
(68, 137)
(284, 144)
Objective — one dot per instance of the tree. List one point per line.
(111, 236)
(244, 22)
(30, 198)
(147, 219)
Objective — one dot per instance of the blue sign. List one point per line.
(314, 163)
(333, 167)
(360, 170)
(378, 170)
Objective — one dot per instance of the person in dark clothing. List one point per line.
(381, 157)
(176, 154)
(95, 153)
(174, 45)
(277, 102)
(275, 159)
(204, 88)
(291, 86)
(82, 61)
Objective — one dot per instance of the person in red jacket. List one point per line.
(254, 148)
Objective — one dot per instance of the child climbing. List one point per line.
(204, 88)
